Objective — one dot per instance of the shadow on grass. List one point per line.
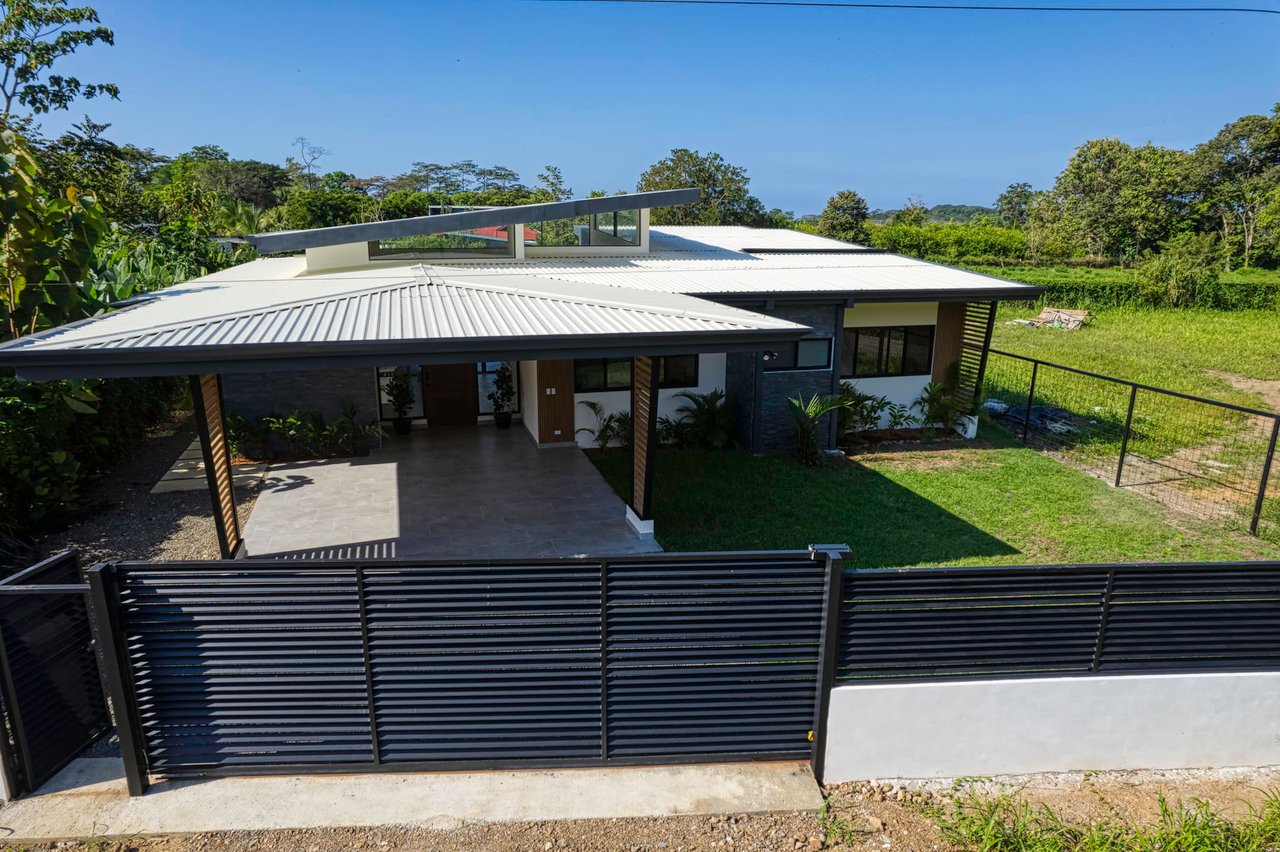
(733, 501)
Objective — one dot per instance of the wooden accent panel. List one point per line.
(555, 402)
(948, 340)
(644, 422)
(979, 320)
(206, 396)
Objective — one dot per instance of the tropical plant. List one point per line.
(399, 393)
(674, 431)
(46, 244)
(937, 407)
(503, 395)
(861, 412)
(710, 420)
(606, 431)
(899, 416)
(807, 416)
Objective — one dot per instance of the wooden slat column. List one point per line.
(206, 396)
(644, 423)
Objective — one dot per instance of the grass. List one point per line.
(994, 504)
(1008, 823)
(1184, 350)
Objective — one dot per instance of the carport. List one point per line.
(274, 314)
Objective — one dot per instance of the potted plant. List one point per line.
(502, 397)
(400, 396)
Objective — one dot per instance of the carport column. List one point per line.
(644, 426)
(206, 398)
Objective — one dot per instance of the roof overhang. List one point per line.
(1011, 293)
(290, 241)
(192, 360)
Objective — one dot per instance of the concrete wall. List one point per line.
(254, 395)
(529, 397)
(711, 375)
(1004, 727)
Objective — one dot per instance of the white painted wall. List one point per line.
(1009, 727)
(528, 371)
(337, 257)
(710, 376)
(903, 390)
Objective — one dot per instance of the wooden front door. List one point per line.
(449, 391)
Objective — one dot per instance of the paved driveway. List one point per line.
(442, 494)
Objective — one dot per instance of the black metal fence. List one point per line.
(1209, 459)
(52, 692)
(1059, 620)
(270, 666)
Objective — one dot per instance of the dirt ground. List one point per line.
(861, 816)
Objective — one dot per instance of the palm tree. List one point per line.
(806, 416)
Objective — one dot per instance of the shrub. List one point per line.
(710, 419)
(953, 243)
(860, 412)
(301, 434)
(806, 416)
(607, 431)
(1184, 274)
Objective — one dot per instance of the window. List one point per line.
(595, 229)
(476, 242)
(486, 372)
(889, 351)
(812, 353)
(595, 375)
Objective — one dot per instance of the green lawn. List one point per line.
(994, 504)
(1178, 349)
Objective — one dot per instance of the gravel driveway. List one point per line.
(133, 523)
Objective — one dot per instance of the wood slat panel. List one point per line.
(555, 402)
(206, 397)
(644, 414)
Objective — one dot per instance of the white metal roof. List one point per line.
(273, 307)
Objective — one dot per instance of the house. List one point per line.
(592, 303)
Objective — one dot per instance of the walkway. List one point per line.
(466, 492)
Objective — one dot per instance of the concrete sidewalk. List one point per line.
(89, 799)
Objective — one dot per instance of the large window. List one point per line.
(476, 242)
(486, 373)
(596, 229)
(887, 351)
(812, 353)
(594, 375)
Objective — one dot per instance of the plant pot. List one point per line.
(401, 425)
(502, 419)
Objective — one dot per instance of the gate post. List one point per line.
(1124, 441)
(829, 649)
(104, 599)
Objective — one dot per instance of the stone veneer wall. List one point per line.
(254, 395)
(739, 387)
(776, 424)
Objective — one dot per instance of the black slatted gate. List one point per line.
(52, 692)
(261, 666)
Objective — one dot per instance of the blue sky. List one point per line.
(947, 106)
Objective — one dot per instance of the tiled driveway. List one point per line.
(441, 494)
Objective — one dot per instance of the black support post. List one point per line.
(1266, 475)
(104, 596)
(829, 651)
(1031, 398)
(1124, 440)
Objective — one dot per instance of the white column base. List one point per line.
(644, 529)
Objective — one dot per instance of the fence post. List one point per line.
(366, 656)
(829, 649)
(104, 597)
(1031, 395)
(1266, 474)
(1104, 613)
(1124, 441)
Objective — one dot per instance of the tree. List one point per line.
(115, 175)
(725, 199)
(304, 167)
(1238, 170)
(1123, 199)
(34, 34)
(46, 243)
(1012, 204)
(844, 217)
(915, 214)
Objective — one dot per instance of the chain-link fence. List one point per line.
(1209, 459)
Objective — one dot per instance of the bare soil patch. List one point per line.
(1267, 390)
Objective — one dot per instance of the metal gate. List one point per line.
(274, 666)
(49, 682)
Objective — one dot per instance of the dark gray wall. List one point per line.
(325, 391)
(776, 428)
